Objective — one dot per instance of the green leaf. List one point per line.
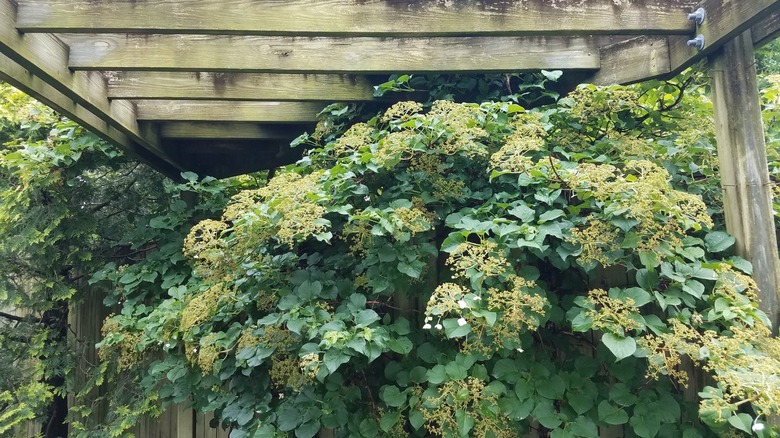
(546, 415)
(611, 414)
(718, 241)
(288, 418)
(408, 269)
(620, 346)
(454, 330)
(265, 431)
(393, 396)
(649, 259)
(388, 420)
(334, 358)
(465, 422)
(308, 430)
(550, 215)
(552, 387)
(743, 422)
(437, 375)
(523, 212)
(416, 419)
(366, 317)
(400, 345)
(648, 280)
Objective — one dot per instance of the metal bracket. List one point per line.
(697, 42)
(698, 16)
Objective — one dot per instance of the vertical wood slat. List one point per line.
(743, 165)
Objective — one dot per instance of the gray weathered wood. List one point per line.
(330, 55)
(633, 60)
(237, 86)
(228, 130)
(725, 20)
(19, 77)
(217, 111)
(46, 57)
(743, 164)
(766, 30)
(348, 17)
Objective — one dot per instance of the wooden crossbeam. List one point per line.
(356, 18)
(330, 55)
(725, 20)
(238, 86)
(228, 131)
(222, 111)
(766, 30)
(633, 60)
(45, 57)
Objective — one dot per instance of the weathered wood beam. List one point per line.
(349, 17)
(633, 60)
(44, 56)
(258, 54)
(238, 86)
(228, 130)
(21, 78)
(766, 30)
(743, 165)
(725, 20)
(219, 111)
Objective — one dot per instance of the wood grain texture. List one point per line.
(743, 165)
(634, 60)
(217, 111)
(725, 20)
(19, 77)
(766, 30)
(45, 56)
(229, 130)
(238, 86)
(261, 54)
(357, 18)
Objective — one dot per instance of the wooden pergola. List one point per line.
(220, 87)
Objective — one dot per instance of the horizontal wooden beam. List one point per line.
(238, 86)
(356, 18)
(634, 60)
(45, 57)
(19, 77)
(228, 130)
(725, 20)
(259, 54)
(226, 111)
(766, 30)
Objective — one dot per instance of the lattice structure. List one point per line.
(218, 86)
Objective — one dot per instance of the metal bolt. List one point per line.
(698, 16)
(697, 42)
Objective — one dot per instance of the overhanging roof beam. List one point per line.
(45, 57)
(725, 20)
(352, 18)
(226, 111)
(258, 54)
(238, 86)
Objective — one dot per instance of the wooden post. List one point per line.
(747, 196)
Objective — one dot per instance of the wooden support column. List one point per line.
(743, 164)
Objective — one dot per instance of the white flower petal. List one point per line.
(462, 322)
(757, 427)
(439, 326)
(462, 304)
(426, 327)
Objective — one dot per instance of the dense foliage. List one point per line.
(436, 269)
(469, 270)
